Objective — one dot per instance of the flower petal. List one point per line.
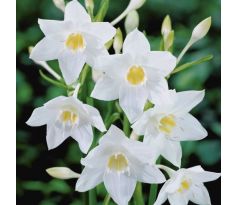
(119, 186)
(47, 49)
(163, 61)
(104, 31)
(177, 199)
(84, 136)
(55, 136)
(147, 173)
(40, 116)
(71, 65)
(106, 88)
(162, 196)
(89, 179)
(136, 43)
(132, 100)
(51, 27)
(158, 89)
(75, 12)
(199, 195)
(187, 100)
(96, 118)
(189, 128)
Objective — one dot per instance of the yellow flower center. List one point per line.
(68, 116)
(117, 162)
(167, 124)
(185, 185)
(75, 41)
(136, 75)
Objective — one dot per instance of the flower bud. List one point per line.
(132, 21)
(89, 4)
(169, 40)
(60, 4)
(118, 41)
(62, 173)
(201, 30)
(166, 26)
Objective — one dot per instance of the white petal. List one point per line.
(204, 176)
(172, 151)
(113, 135)
(163, 61)
(47, 49)
(89, 179)
(55, 136)
(147, 173)
(136, 43)
(106, 88)
(132, 100)
(104, 31)
(119, 186)
(199, 195)
(157, 90)
(115, 66)
(162, 196)
(71, 65)
(140, 125)
(96, 118)
(51, 27)
(177, 199)
(187, 100)
(84, 136)
(189, 128)
(175, 181)
(40, 116)
(75, 12)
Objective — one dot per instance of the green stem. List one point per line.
(153, 193)
(92, 197)
(107, 200)
(138, 196)
(126, 125)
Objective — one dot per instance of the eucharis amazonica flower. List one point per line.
(73, 41)
(169, 122)
(187, 185)
(67, 116)
(136, 75)
(119, 162)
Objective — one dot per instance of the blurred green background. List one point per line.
(34, 186)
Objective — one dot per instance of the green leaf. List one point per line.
(209, 151)
(102, 11)
(59, 186)
(114, 117)
(193, 63)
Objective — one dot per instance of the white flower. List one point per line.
(73, 42)
(119, 162)
(67, 116)
(134, 76)
(187, 185)
(169, 122)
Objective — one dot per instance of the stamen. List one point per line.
(185, 185)
(167, 124)
(75, 41)
(136, 75)
(118, 162)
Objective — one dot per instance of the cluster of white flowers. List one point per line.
(135, 77)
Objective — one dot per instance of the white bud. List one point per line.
(166, 26)
(62, 173)
(89, 5)
(134, 136)
(132, 21)
(169, 40)
(198, 33)
(201, 30)
(60, 4)
(118, 41)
